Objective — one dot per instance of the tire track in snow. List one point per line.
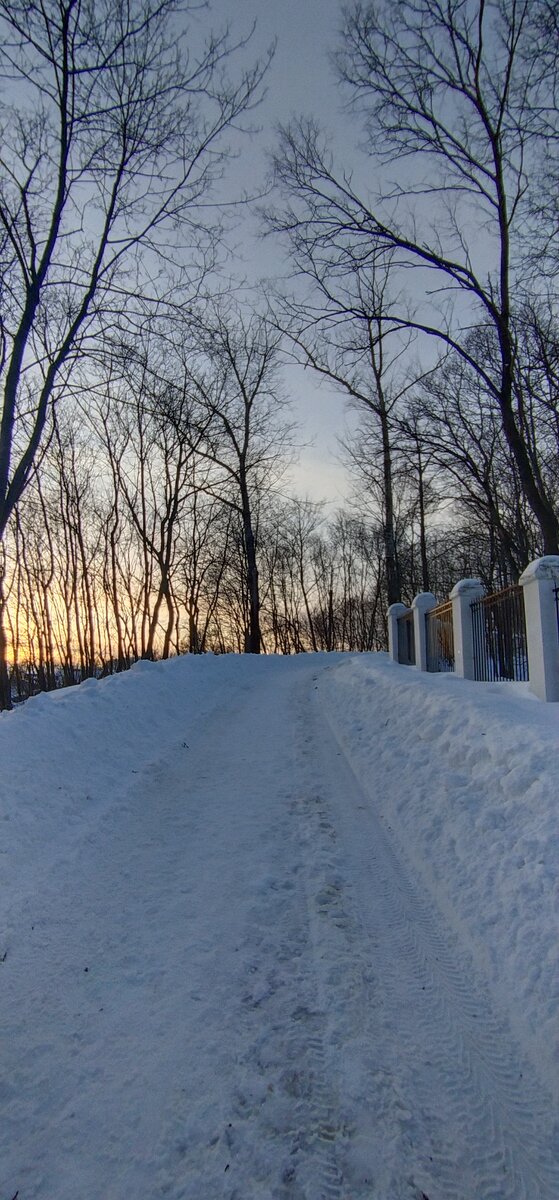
(347, 995)
(275, 1133)
(286, 1058)
(483, 1117)
(343, 982)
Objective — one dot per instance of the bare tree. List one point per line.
(453, 424)
(109, 148)
(452, 103)
(202, 559)
(344, 331)
(239, 429)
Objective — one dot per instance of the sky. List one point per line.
(300, 81)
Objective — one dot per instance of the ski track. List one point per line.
(331, 1039)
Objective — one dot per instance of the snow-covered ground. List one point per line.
(279, 929)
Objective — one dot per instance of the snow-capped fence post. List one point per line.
(395, 611)
(463, 595)
(421, 604)
(540, 582)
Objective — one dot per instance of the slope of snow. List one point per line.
(468, 775)
(65, 754)
(278, 929)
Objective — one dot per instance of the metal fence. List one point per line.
(499, 636)
(406, 640)
(440, 638)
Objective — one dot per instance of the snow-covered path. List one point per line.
(232, 986)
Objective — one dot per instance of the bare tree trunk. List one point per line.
(253, 638)
(393, 588)
(5, 688)
(422, 526)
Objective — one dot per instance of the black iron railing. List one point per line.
(499, 636)
(556, 594)
(440, 638)
(406, 640)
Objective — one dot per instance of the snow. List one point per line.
(279, 929)
(468, 778)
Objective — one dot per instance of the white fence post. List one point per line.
(421, 604)
(395, 611)
(539, 581)
(463, 595)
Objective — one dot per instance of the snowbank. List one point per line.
(465, 776)
(66, 755)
